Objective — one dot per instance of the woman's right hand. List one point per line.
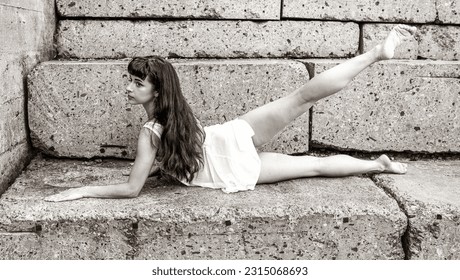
(70, 194)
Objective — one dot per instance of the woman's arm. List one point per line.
(145, 157)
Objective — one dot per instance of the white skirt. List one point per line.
(231, 162)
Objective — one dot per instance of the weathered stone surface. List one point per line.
(393, 105)
(363, 10)
(319, 218)
(448, 11)
(28, 26)
(19, 246)
(224, 39)
(431, 41)
(11, 84)
(12, 161)
(12, 124)
(430, 195)
(80, 109)
(205, 247)
(27, 29)
(208, 9)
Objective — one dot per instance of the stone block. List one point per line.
(12, 124)
(448, 11)
(363, 10)
(431, 41)
(224, 39)
(430, 197)
(11, 84)
(12, 162)
(19, 246)
(392, 106)
(196, 247)
(80, 109)
(30, 27)
(206, 9)
(348, 218)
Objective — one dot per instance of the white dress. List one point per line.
(231, 162)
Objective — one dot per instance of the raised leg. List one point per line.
(279, 167)
(271, 118)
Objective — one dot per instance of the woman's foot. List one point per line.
(391, 167)
(397, 35)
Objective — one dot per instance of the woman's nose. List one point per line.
(128, 88)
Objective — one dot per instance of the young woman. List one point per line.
(224, 156)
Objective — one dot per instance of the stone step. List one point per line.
(429, 194)
(205, 9)
(224, 39)
(392, 106)
(80, 109)
(318, 218)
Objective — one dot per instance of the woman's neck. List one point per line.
(149, 109)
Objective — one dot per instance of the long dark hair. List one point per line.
(180, 151)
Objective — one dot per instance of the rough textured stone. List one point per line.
(12, 161)
(363, 10)
(393, 105)
(319, 218)
(224, 39)
(19, 246)
(448, 11)
(209, 9)
(30, 26)
(431, 41)
(26, 37)
(430, 195)
(80, 109)
(12, 124)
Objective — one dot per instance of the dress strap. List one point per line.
(155, 128)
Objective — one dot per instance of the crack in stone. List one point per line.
(405, 238)
(22, 8)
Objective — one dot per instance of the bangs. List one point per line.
(138, 67)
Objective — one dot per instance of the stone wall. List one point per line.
(245, 54)
(27, 29)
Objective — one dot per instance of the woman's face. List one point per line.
(140, 91)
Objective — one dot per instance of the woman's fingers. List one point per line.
(71, 194)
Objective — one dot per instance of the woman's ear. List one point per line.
(155, 93)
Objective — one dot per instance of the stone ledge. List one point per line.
(80, 109)
(319, 218)
(430, 195)
(223, 39)
(204, 9)
(391, 106)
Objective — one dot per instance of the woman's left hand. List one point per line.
(70, 194)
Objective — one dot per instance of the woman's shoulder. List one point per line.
(155, 127)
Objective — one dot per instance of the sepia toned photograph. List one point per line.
(230, 130)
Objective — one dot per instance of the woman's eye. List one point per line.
(138, 84)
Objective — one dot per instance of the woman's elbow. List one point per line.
(133, 191)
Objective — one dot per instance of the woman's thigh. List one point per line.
(271, 118)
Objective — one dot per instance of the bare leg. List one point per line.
(271, 118)
(280, 167)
